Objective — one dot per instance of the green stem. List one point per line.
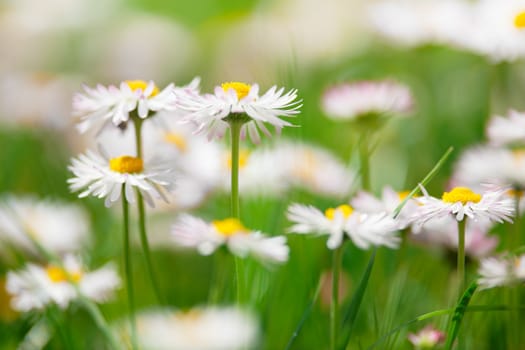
(334, 306)
(462, 277)
(514, 294)
(364, 162)
(142, 216)
(129, 272)
(138, 135)
(145, 247)
(99, 320)
(235, 129)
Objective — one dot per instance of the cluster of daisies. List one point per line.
(147, 145)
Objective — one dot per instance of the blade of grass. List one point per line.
(353, 308)
(458, 315)
(425, 180)
(306, 313)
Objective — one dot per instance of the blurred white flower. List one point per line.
(314, 169)
(444, 232)
(417, 22)
(210, 328)
(192, 232)
(501, 271)
(50, 97)
(145, 45)
(497, 30)
(364, 230)
(99, 106)
(37, 286)
(484, 164)
(349, 101)
(427, 338)
(367, 203)
(508, 130)
(101, 177)
(462, 202)
(239, 101)
(58, 226)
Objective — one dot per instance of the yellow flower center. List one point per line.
(344, 208)
(229, 227)
(57, 274)
(461, 194)
(241, 89)
(126, 164)
(176, 139)
(244, 155)
(135, 85)
(519, 20)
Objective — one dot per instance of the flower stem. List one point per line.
(364, 162)
(145, 247)
(334, 306)
(142, 216)
(99, 320)
(462, 277)
(129, 272)
(235, 129)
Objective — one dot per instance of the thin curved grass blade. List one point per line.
(459, 313)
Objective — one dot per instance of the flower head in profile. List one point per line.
(426, 338)
(352, 101)
(364, 230)
(192, 232)
(462, 202)
(210, 328)
(99, 106)
(36, 286)
(59, 227)
(501, 271)
(508, 130)
(240, 102)
(101, 177)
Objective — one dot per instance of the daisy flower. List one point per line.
(363, 229)
(193, 232)
(367, 203)
(509, 130)
(210, 328)
(37, 286)
(101, 177)
(462, 202)
(59, 227)
(501, 271)
(236, 101)
(427, 338)
(99, 106)
(349, 101)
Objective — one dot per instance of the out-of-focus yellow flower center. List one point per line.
(229, 227)
(461, 194)
(57, 274)
(135, 85)
(519, 20)
(241, 89)
(7, 313)
(244, 155)
(126, 164)
(344, 208)
(176, 139)
(515, 193)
